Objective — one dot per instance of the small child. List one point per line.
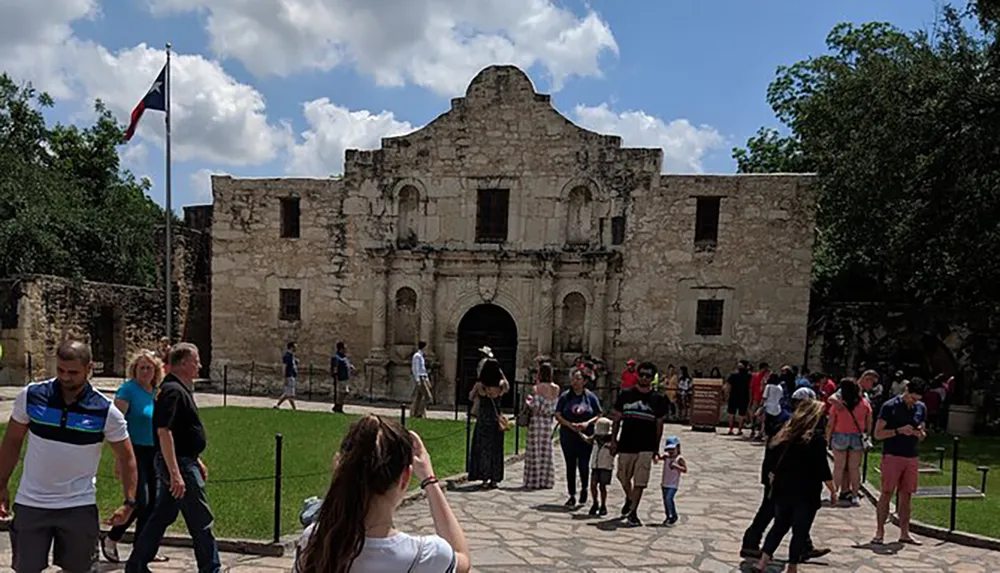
(602, 464)
(673, 466)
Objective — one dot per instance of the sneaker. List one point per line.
(856, 500)
(844, 496)
(571, 502)
(673, 520)
(603, 511)
(594, 509)
(633, 520)
(583, 497)
(816, 553)
(627, 508)
(666, 522)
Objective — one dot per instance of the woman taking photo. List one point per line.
(486, 455)
(134, 399)
(576, 412)
(850, 416)
(539, 468)
(797, 480)
(354, 531)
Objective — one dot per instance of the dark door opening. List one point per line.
(485, 325)
(102, 339)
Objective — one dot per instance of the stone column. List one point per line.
(428, 305)
(547, 292)
(597, 326)
(380, 289)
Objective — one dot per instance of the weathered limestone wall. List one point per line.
(761, 268)
(388, 254)
(116, 320)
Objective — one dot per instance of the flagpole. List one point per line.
(168, 271)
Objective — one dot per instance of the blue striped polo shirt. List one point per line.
(64, 444)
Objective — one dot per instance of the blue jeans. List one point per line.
(668, 502)
(197, 515)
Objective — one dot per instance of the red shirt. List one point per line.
(757, 385)
(829, 389)
(629, 378)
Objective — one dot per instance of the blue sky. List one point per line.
(281, 87)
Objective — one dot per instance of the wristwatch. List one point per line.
(130, 503)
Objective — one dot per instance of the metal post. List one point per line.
(253, 370)
(864, 468)
(954, 484)
(168, 274)
(402, 414)
(225, 385)
(310, 381)
(984, 470)
(468, 432)
(517, 427)
(456, 400)
(940, 451)
(277, 487)
(31, 369)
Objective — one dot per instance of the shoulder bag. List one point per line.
(524, 415)
(866, 440)
(502, 420)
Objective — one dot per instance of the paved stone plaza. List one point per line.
(512, 530)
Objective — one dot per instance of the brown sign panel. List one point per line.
(706, 400)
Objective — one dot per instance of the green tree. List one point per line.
(902, 129)
(66, 206)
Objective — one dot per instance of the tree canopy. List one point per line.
(903, 130)
(67, 207)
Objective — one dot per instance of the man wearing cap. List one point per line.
(639, 414)
(629, 376)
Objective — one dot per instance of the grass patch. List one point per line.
(241, 445)
(972, 515)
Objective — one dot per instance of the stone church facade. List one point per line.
(503, 223)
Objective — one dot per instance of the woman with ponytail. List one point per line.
(354, 530)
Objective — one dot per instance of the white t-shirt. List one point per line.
(400, 553)
(773, 393)
(58, 474)
(601, 457)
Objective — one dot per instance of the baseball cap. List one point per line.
(804, 394)
(672, 443)
(630, 363)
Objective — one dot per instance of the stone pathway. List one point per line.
(512, 530)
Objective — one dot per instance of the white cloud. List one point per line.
(684, 145)
(201, 185)
(334, 129)
(32, 35)
(437, 44)
(214, 117)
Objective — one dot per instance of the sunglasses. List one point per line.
(647, 375)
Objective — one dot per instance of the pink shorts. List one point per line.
(900, 474)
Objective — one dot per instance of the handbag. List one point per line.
(502, 420)
(524, 416)
(866, 440)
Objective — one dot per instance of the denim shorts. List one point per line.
(843, 442)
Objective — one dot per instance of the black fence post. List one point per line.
(310, 382)
(468, 432)
(954, 484)
(225, 385)
(517, 410)
(253, 370)
(456, 400)
(864, 468)
(31, 369)
(402, 414)
(940, 451)
(277, 487)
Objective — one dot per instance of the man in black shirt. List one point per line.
(180, 440)
(739, 395)
(639, 413)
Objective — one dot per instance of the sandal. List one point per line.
(876, 541)
(110, 552)
(160, 559)
(910, 541)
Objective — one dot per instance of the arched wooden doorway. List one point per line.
(485, 325)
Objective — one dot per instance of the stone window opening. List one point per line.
(706, 225)
(290, 304)
(408, 211)
(491, 215)
(290, 215)
(406, 323)
(579, 213)
(574, 320)
(618, 230)
(709, 318)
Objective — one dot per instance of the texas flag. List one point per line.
(155, 99)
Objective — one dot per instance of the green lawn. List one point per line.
(241, 445)
(972, 515)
